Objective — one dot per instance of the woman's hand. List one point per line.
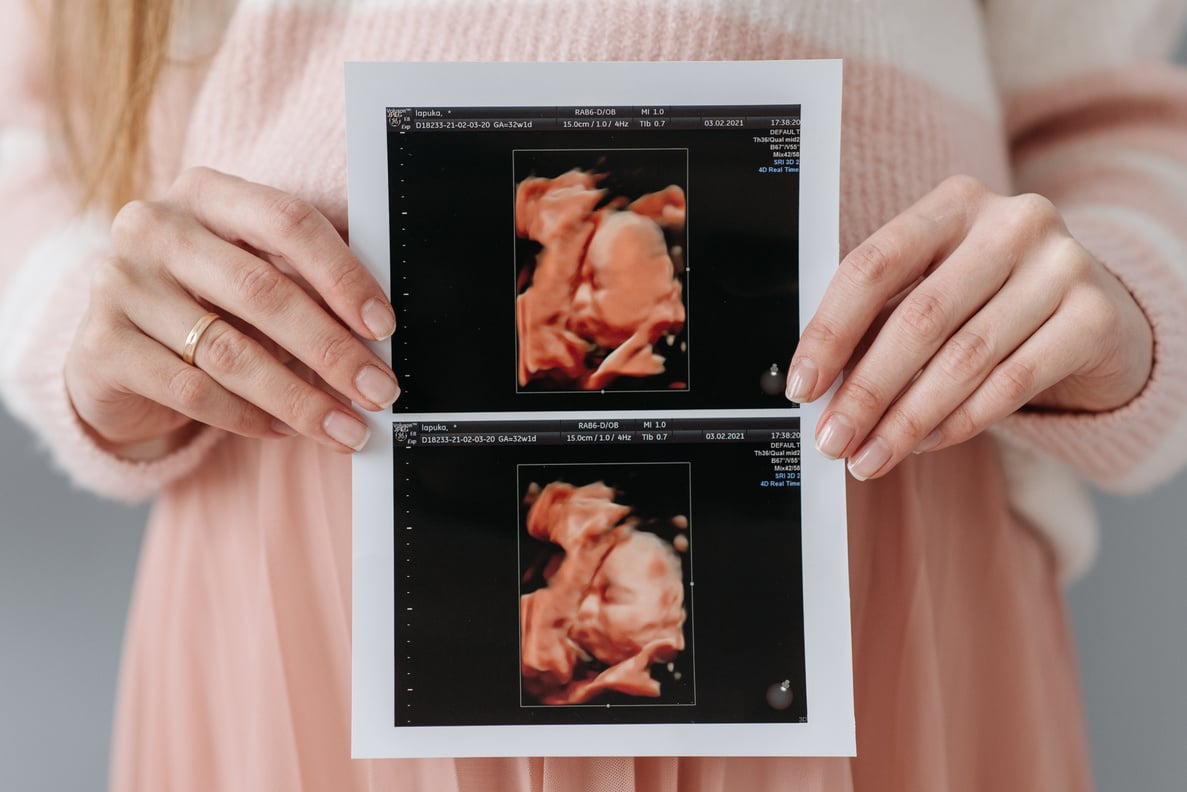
(285, 285)
(957, 313)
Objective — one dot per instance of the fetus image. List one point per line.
(609, 616)
(602, 299)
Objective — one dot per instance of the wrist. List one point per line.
(134, 448)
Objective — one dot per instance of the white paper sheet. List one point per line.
(557, 336)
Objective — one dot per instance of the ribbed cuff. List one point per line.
(35, 390)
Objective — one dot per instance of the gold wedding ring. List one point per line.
(191, 341)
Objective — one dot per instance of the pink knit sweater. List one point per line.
(1060, 97)
(1055, 98)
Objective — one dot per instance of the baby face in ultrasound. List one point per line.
(604, 287)
(613, 605)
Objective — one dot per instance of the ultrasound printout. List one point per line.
(587, 527)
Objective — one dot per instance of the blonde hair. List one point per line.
(105, 58)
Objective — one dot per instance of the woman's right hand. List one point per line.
(287, 289)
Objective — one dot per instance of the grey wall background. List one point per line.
(66, 566)
(67, 561)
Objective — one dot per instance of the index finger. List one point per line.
(273, 221)
(872, 274)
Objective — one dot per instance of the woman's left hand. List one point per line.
(955, 314)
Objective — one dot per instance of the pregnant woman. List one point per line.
(164, 160)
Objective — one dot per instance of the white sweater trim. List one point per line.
(1048, 496)
(26, 296)
(1041, 43)
(19, 146)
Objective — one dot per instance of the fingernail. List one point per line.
(346, 430)
(283, 429)
(801, 380)
(836, 433)
(377, 386)
(870, 459)
(929, 442)
(379, 318)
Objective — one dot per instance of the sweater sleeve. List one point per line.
(1097, 121)
(47, 252)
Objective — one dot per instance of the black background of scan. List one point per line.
(462, 661)
(455, 349)
(656, 493)
(629, 173)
